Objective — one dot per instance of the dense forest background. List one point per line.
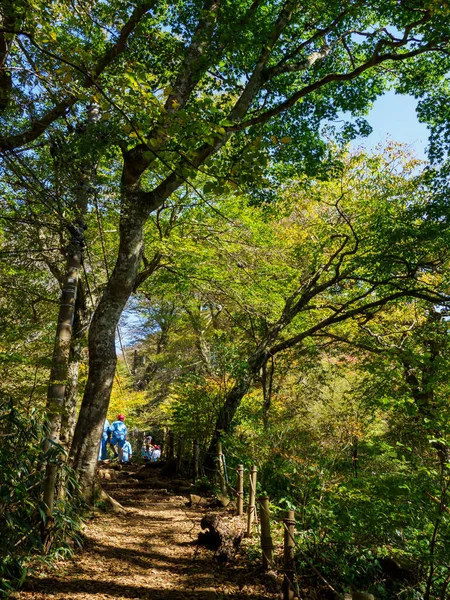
(178, 188)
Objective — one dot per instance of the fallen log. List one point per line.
(224, 537)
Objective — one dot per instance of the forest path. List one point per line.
(150, 553)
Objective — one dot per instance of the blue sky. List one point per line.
(393, 116)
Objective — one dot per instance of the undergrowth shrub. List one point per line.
(382, 528)
(21, 510)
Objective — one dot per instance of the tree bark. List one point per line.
(12, 15)
(220, 535)
(58, 374)
(225, 418)
(63, 385)
(102, 349)
(257, 361)
(81, 321)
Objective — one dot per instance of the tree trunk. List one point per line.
(219, 535)
(233, 399)
(59, 372)
(267, 384)
(81, 321)
(225, 418)
(64, 371)
(102, 347)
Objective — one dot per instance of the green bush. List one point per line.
(21, 510)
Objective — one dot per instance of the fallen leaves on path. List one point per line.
(148, 553)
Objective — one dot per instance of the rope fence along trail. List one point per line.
(240, 491)
(290, 588)
(221, 470)
(290, 544)
(195, 460)
(289, 557)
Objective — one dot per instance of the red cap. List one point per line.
(121, 417)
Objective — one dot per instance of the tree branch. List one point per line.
(342, 316)
(193, 64)
(10, 142)
(257, 77)
(150, 267)
(375, 60)
(319, 33)
(342, 340)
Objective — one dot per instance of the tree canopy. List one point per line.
(187, 159)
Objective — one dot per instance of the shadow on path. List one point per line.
(149, 553)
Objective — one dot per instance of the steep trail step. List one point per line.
(148, 553)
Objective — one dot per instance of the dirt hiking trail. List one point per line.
(150, 552)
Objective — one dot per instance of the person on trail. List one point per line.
(102, 453)
(147, 448)
(156, 454)
(127, 452)
(118, 435)
(147, 451)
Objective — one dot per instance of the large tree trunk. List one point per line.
(102, 347)
(64, 370)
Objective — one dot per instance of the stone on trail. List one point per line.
(107, 474)
(195, 500)
(222, 500)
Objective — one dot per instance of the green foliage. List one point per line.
(231, 100)
(351, 428)
(370, 529)
(193, 406)
(21, 509)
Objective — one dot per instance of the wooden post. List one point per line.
(266, 539)
(180, 450)
(240, 491)
(195, 454)
(251, 501)
(220, 470)
(289, 546)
